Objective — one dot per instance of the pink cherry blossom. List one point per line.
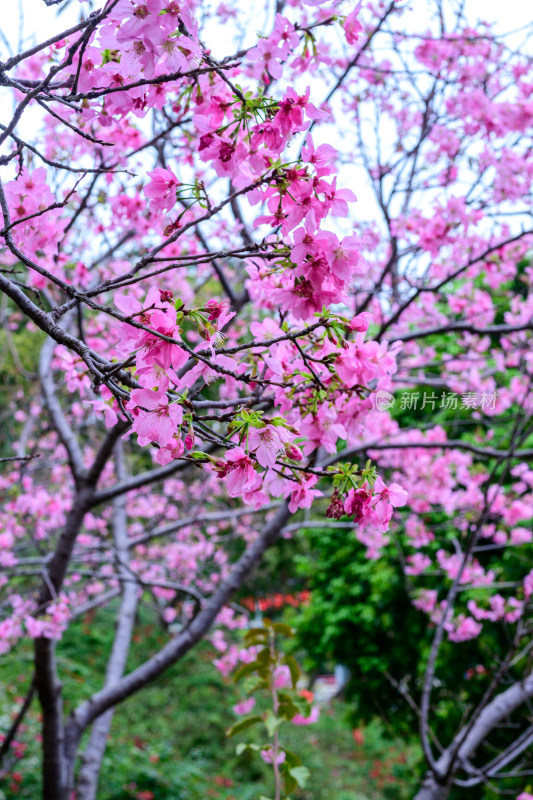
(162, 189)
(304, 494)
(155, 419)
(238, 472)
(268, 443)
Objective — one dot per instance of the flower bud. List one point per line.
(293, 452)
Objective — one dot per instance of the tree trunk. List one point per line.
(47, 683)
(49, 692)
(431, 790)
(91, 760)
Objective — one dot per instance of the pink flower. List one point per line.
(180, 53)
(285, 33)
(322, 157)
(156, 352)
(245, 706)
(268, 756)
(463, 629)
(282, 677)
(322, 430)
(209, 373)
(358, 504)
(362, 361)
(34, 627)
(338, 199)
(174, 449)
(360, 322)
(218, 309)
(303, 204)
(343, 260)
(352, 26)
(293, 452)
(417, 564)
(395, 494)
(313, 717)
(154, 418)
(162, 189)
(521, 536)
(303, 496)
(143, 19)
(238, 472)
(267, 58)
(290, 115)
(140, 54)
(219, 314)
(110, 415)
(155, 355)
(268, 442)
(426, 600)
(303, 299)
(385, 499)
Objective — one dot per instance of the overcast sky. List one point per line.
(40, 21)
(33, 21)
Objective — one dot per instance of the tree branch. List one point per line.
(184, 641)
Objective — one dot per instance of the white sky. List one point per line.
(33, 21)
(40, 21)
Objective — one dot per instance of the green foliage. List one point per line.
(360, 615)
(289, 773)
(19, 353)
(171, 740)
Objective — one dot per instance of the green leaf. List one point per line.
(294, 669)
(283, 629)
(300, 775)
(243, 746)
(291, 759)
(290, 782)
(287, 710)
(243, 725)
(253, 683)
(272, 722)
(199, 456)
(303, 705)
(252, 633)
(254, 641)
(264, 657)
(245, 670)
